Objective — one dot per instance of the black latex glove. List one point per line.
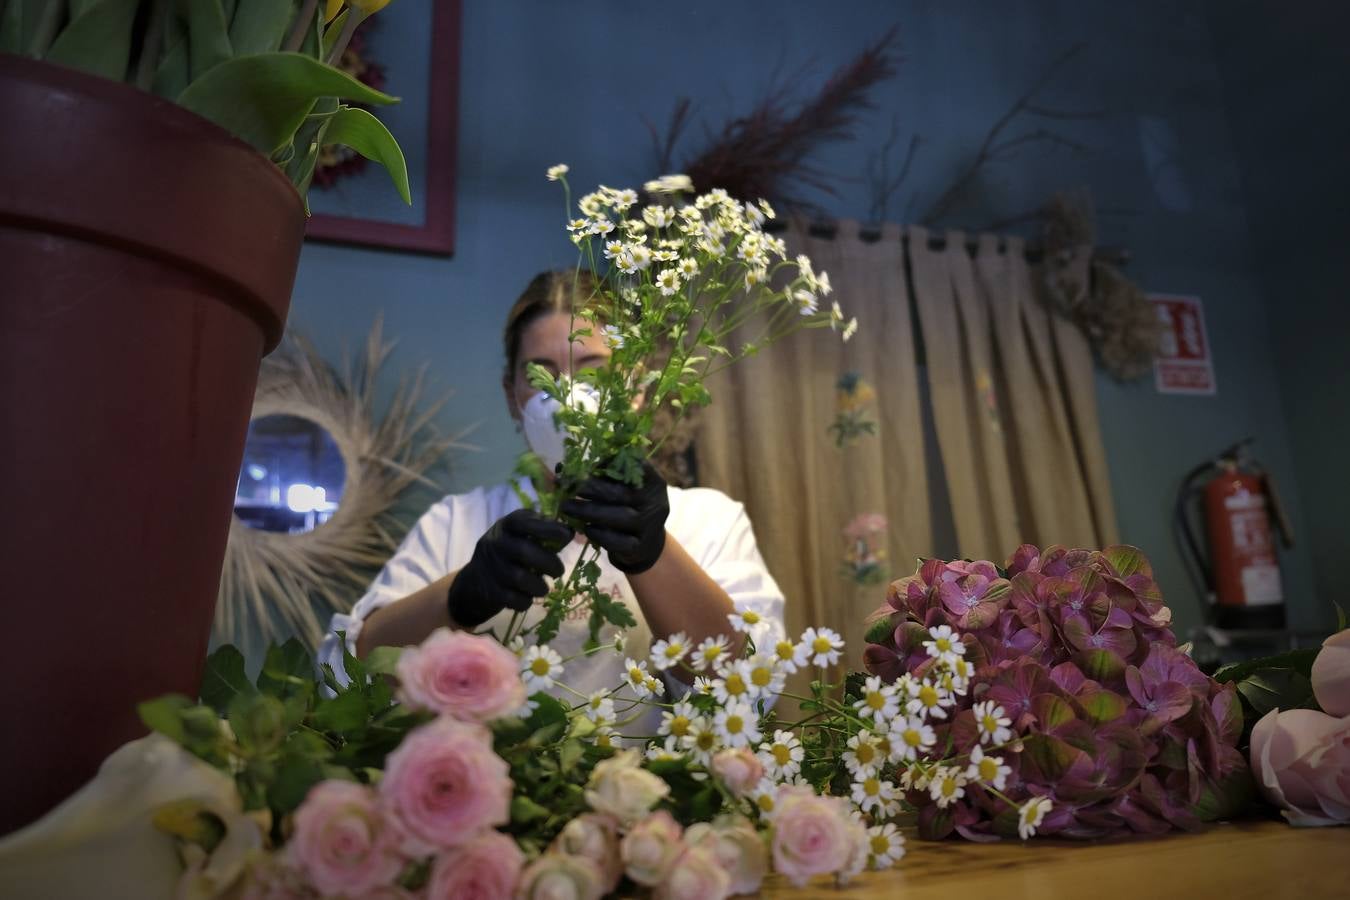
(628, 523)
(507, 568)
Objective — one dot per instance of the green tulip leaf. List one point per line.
(208, 35)
(367, 135)
(259, 26)
(264, 98)
(97, 40)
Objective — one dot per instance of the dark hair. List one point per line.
(548, 292)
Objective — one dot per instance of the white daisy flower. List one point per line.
(988, 770)
(634, 228)
(910, 737)
(703, 740)
(870, 793)
(592, 204)
(599, 707)
(789, 656)
(737, 725)
(579, 226)
(782, 756)
(635, 676)
(836, 315)
(642, 257)
(755, 276)
(947, 786)
(602, 226)
(754, 215)
(885, 846)
(613, 336)
(863, 756)
(623, 200)
(669, 651)
(627, 265)
(671, 749)
(1031, 815)
(670, 184)
(703, 685)
(992, 722)
(733, 686)
(516, 645)
(776, 245)
(931, 701)
(711, 654)
(744, 618)
(805, 300)
(765, 798)
(824, 645)
(804, 271)
(539, 667)
(678, 721)
(945, 644)
(823, 284)
(687, 267)
(654, 686)
(613, 249)
(850, 329)
(658, 216)
(666, 256)
(556, 172)
(669, 282)
(879, 701)
(766, 208)
(603, 736)
(764, 676)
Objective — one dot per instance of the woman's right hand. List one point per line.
(507, 568)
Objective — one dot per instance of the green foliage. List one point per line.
(97, 40)
(224, 60)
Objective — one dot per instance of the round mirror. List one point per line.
(292, 477)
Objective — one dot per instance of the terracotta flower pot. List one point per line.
(147, 259)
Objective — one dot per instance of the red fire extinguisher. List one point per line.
(1240, 574)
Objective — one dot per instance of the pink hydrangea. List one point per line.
(444, 784)
(342, 843)
(466, 676)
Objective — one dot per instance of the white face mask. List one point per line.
(542, 432)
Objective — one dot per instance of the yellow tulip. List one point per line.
(330, 13)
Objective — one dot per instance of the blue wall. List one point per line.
(545, 82)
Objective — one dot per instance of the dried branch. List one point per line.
(883, 186)
(994, 147)
(762, 153)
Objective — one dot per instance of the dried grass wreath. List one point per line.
(277, 583)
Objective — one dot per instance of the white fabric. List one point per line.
(711, 527)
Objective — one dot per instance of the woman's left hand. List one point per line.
(628, 523)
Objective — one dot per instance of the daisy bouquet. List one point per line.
(675, 274)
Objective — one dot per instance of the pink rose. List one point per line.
(738, 847)
(696, 875)
(1301, 759)
(594, 837)
(341, 842)
(444, 784)
(739, 769)
(1331, 674)
(650, 848)
(557, 876)
(458, 674)
(812, 835)
(486, 868)
(860, 847)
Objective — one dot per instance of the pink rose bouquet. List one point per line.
(342, 843)
(456, 674)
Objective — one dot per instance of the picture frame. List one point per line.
(363, 209)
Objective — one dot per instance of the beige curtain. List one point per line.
(1013, 415)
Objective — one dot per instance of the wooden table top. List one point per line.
(1263, 860)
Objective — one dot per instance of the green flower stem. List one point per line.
(303, 23)
(354, 19)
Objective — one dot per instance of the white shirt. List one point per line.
(711, 527)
